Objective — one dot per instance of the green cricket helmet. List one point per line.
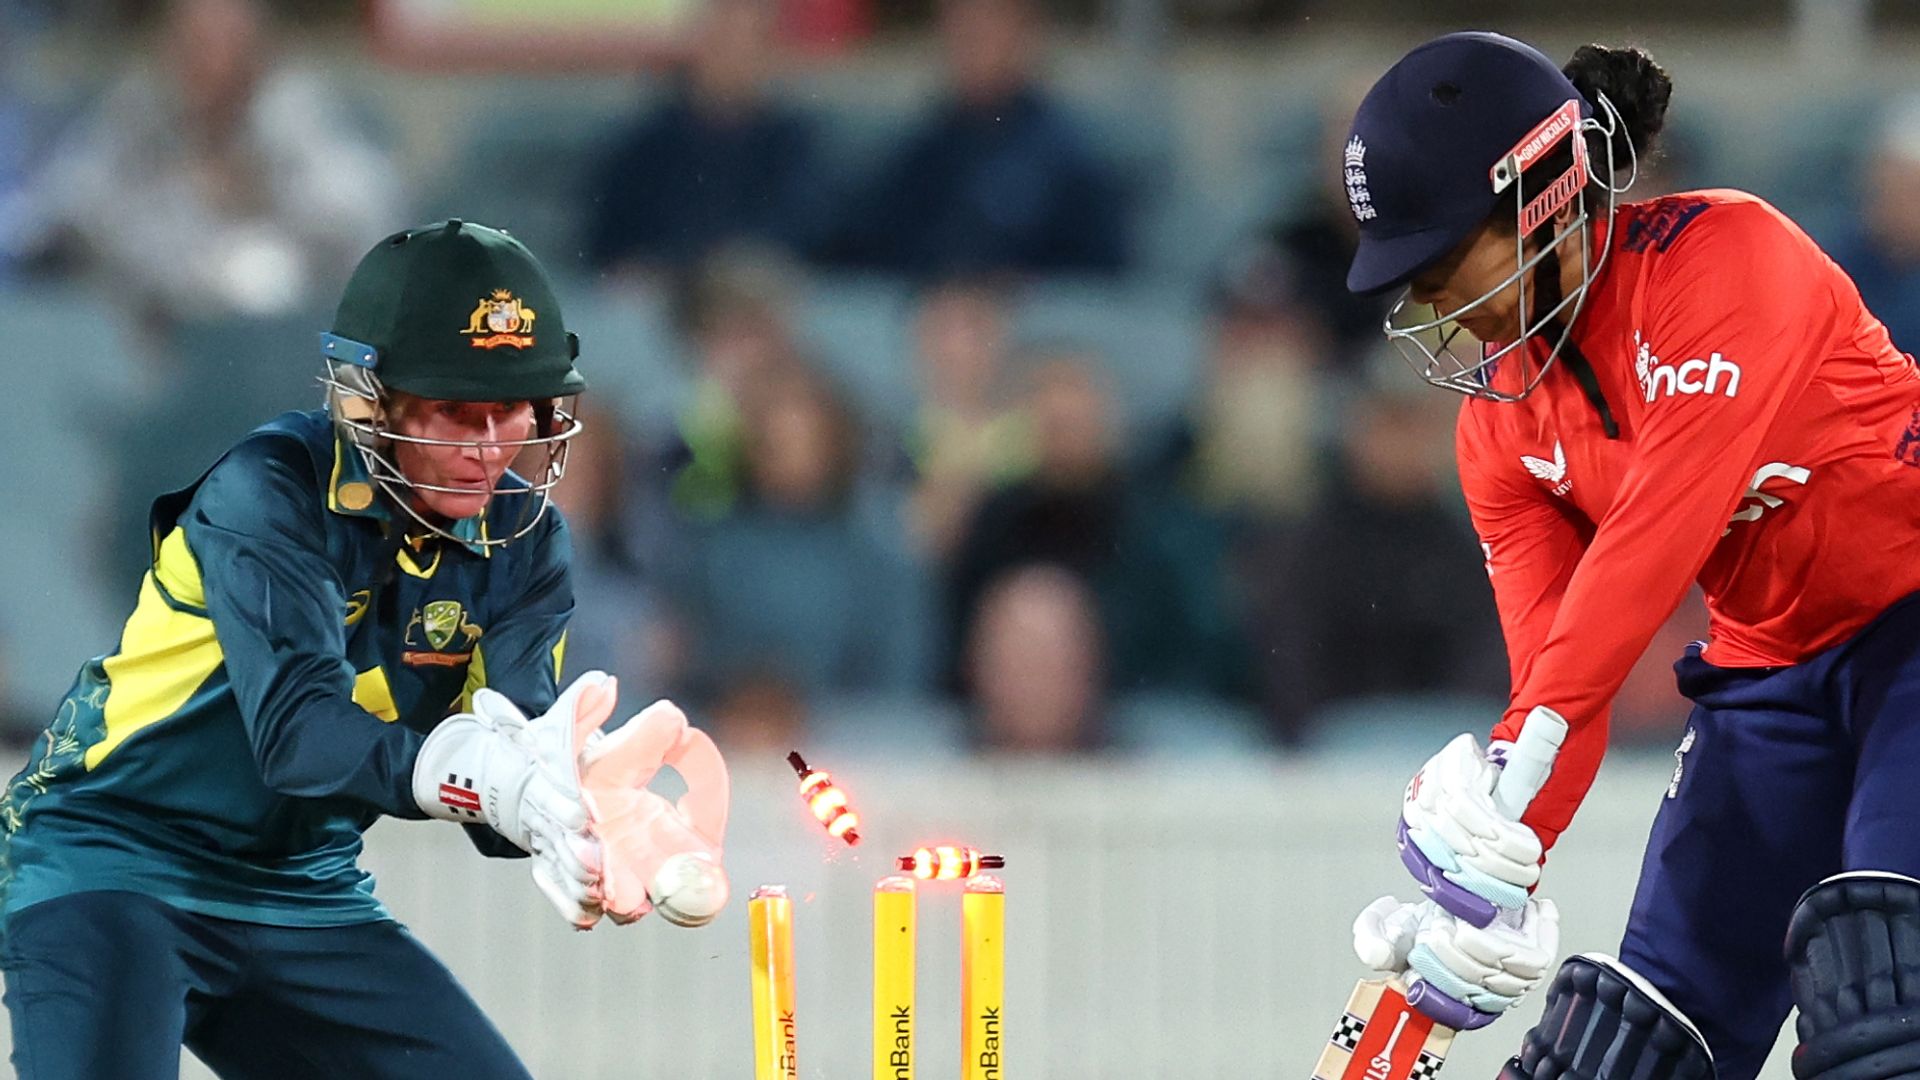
(452, 311)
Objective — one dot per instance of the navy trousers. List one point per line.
(1785, 776)
(110, 985)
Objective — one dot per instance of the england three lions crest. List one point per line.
(1354, 172)
(501, 319)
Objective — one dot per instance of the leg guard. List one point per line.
(1604, 1022)
(1853, 957)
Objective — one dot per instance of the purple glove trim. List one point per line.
(1463, 903)
(1450, 1011)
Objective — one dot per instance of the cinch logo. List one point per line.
(1714, 375)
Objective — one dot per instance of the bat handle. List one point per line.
(1529, 761)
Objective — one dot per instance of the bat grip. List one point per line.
(1529, 761)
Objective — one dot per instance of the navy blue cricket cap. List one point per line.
(1418, 161)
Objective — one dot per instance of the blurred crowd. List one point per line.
(1017, 553)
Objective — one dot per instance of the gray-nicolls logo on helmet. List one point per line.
(1477, 129)
(453, 312)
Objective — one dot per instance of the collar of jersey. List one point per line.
(349, 470)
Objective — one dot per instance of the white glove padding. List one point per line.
(1451, 817)
(521, 777)
(1488, 968)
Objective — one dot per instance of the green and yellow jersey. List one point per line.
(291, 646)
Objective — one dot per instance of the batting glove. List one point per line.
(1461, 975)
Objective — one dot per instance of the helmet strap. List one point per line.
(1547, 297)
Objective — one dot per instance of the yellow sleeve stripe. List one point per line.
(178, 572)
(477, 670)
(333, 481)
(166, 652)
(476, 678)
(372, 692)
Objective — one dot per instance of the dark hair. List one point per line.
(1638, 89)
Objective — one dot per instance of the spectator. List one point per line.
(619, 624)
(968, 434)
(13, 166)
(1882, 253)
(1034, 663)
(806, 581)
(735, 314)
(18, 723)
(1157, 584)
(1318, 239)
(1247, 450)
(17, 124)
(997, 176)
(1245, 463)
(759, 716)
(1378, 591)
(719, 161)
(221, 183)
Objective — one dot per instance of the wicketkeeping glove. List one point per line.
(658, 856)
(521, 777)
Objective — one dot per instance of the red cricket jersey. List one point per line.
(1769, 449)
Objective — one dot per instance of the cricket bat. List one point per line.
(1381, 1037)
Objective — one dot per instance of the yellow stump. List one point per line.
(893, 957)
(982, 976)
(770, 940)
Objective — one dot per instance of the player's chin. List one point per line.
(1483, 325)
(455, 506)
